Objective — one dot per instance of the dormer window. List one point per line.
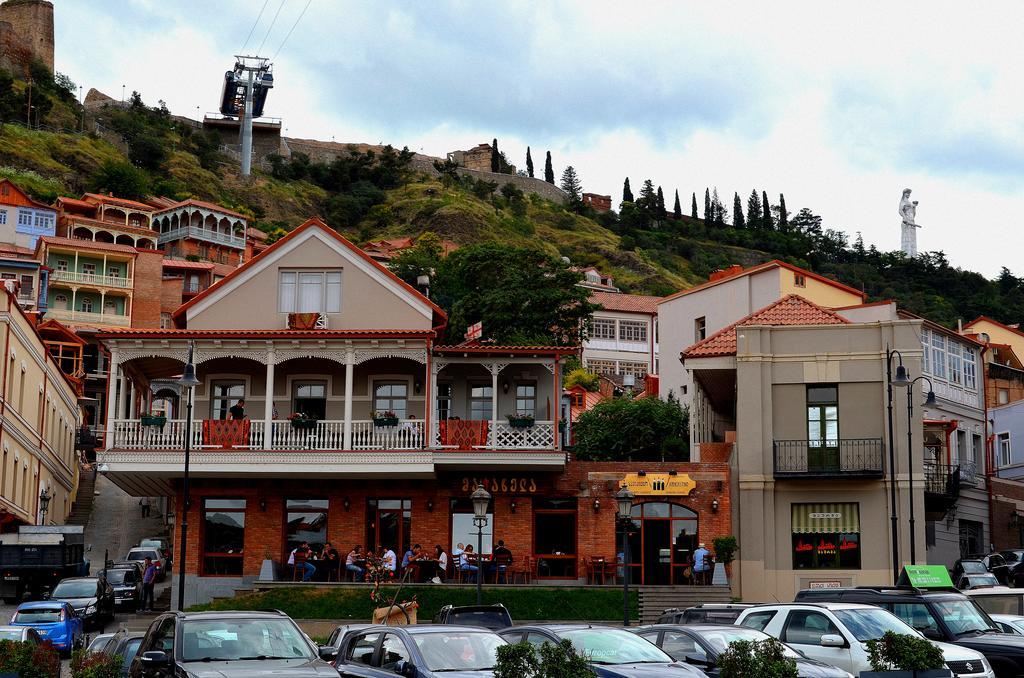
(309, 292)
(800, 280)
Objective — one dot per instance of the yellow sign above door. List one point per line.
(659, 484)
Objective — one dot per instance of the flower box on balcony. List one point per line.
(520, 421)
(303, 423)
(383, 422)
(153, 420)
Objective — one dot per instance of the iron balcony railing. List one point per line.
(861, 457)
(942, 479)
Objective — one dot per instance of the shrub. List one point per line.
(903, 652)
(764, 659)
(626, 429)
(86, 665)
(581, 377)
(551, 661)
(725, 549)
(29, 661)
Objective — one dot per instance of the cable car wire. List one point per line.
(301, 14)
(274, 21)
(254, 25)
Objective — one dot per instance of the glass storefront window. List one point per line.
(826, 551)
(554, 537)
(223, 538)
(464, 531)
(305, 520)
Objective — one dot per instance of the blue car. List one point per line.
(427, 651)
(54, 620)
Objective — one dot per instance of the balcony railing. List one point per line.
(968, 472)
(205, 234)
(92, 279)
(848, 457)
(84, 317)
(540, 436)
(941, 479)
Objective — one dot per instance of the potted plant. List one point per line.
(746, 658)
(520, 420)
(301, 420)
(725, 552)
(898, 655)
(562, 660)
(150, 419)
(385, 418)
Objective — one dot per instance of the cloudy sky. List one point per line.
(838, 105)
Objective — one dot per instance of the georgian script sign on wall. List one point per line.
(658, 484)
(502, 485)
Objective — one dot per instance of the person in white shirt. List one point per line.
(442, 562)
(457, 551)
(390, 560)
(466, 560)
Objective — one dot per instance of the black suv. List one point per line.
(940, 614)
(705, 613)
(226, 644)
(493, 617)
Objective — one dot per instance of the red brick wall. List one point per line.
(170, 294)
(146, 296)
(264, 530)
(1005, 495)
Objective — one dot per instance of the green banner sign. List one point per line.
(925, 577)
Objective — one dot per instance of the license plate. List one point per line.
(11, 578)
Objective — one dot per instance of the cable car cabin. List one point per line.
(232, 97)
(259, 95)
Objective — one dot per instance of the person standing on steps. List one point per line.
(148, 580)
(146, 504)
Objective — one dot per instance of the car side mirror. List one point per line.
(931, 633)
(697, 660)
(327, 652)
(155, 658)
(406, 669)
(46, 595)
(832, 640)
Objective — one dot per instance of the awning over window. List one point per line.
(826, 518)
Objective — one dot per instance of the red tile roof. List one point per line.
(84, 244)
(206, 205)
(184, 263)
(629, 303)
(790, 310)
(775, 263)
(274, 334)
(985, 318)
(507, 349)
(75, 202)
(9, 248)
(109, 199)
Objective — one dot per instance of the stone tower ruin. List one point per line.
(26, 33)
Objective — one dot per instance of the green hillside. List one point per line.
(142, 150)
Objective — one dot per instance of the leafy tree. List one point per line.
(661, 212)
(754, 210)
(737, 212)
(529, 163)
(448, 169)
(148, 152)
(495, 158)
(693, 207)
(647, 203)
(121, 179)
(573, 188)
(766, 212)
(581, 377)
(709, 216)
(806, 222)
(627, 192)
(627, 429)
(549, 173)
(10, 101)
(783, 214)
(484, 189)
(677, 209)
(719, 216)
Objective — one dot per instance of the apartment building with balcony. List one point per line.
(623, 337)
(801, 393)
(38, 420)
(22, 219)
(106, 219)
(199, 230)
(19, 264)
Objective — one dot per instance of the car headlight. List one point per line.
(90, 609)
(985, 665)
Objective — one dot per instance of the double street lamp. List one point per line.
(624, 501)
(188, 382)
(481, 499)
(44, 503)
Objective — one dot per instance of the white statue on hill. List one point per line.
(908, 212)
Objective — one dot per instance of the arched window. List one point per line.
(662, 539)
(86, 305)
(60, 301)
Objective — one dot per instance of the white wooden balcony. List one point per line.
(75, 278)
(92, 318)
(206, 234)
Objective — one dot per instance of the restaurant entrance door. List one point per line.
(388, 525)
(662, 539)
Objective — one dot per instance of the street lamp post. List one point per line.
(624, 499)
(481, 499)
(929, 400)
(899, 380)
(188, 382)
(44, 503)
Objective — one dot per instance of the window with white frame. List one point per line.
(947, 359)
(602, 328)
(1003, 442)
(114, 271)
(86, 305)
(3, 217)
(938, 356)
(62, 265)
(956, 370)
(444, 401)
(926, 339)
(634, 368)
(166, 322)
(89, 269)
(390, 397)
(700, 329)
(970, 369)
(309, 292)
(601, 366)
(632, 330)
(480, 402)
(526, 398)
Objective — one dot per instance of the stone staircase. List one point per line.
(655, 599)
(82, 508)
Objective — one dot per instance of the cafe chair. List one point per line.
(297, 567)
(523, 571)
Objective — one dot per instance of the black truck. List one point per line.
(35, 558)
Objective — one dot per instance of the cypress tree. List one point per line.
(708, 215)
(717, 209)
(766, 212)
(737, 211)
(661, 212)
(495, 158)
(783, 217)
(677, 210)
(529, 163)
(753, 210)
(549, 174)
(693, 209)
(627, 192)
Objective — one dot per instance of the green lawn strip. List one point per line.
(533, 603)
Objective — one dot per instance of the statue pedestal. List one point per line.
(718, 577)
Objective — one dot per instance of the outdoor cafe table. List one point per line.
(423, 569)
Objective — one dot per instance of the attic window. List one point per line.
(800, 280)
(309, 292)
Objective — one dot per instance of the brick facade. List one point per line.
(600, 203)
(1007, 502)
(146, 294)
(431, 514)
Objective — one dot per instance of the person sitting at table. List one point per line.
(457, 552)
(351, 565)
(329, 555)
(466, 564)
(442, 562)
(302, 553)
(410, 556)
(502, 561)
(389, 560)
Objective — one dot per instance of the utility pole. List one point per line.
(257, 76)
(247, 129)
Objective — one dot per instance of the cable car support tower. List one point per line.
(245, 93)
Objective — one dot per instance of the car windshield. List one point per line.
(612, 646)
(871, 624)
(39, 615)
(973, 566)
(75, 588)
(488, 619)
(155, 543)
(963, 616)
(240, 639)
(118, 577)
(459, 651)
(982, 579)
(143, 554)
(722, 638)
(128, 652)
(1010, 556)
(99, 642)
(10, 634)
